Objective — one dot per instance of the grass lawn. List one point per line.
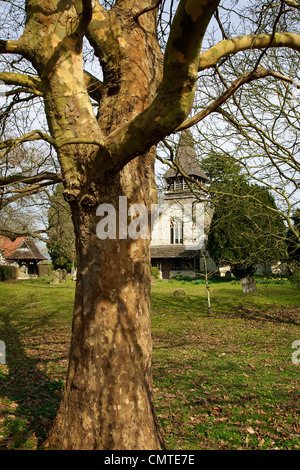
(222, 381)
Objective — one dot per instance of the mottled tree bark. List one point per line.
(108, 400)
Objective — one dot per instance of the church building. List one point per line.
(179, 231)
(22, 253)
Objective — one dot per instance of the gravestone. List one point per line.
(249, 285)
(64, 275)
(55, 277)
(179, 293)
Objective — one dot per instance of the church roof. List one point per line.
(172, 251)
(186, 157)
(20, 248)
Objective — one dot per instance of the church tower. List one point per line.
(178, 234)
(186, 157)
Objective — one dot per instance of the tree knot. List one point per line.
(88, 201)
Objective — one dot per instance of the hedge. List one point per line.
(8, 273)
(45, 269)
(155, 272)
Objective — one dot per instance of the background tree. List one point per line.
(293, 248)
(27, 178)
(103, 126)
(61, 238)
(222, 170)
(246, 231)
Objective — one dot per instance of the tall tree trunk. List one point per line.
(110, 366)
(108, 403)
(108, 399)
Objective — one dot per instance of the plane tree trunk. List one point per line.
(108, 399)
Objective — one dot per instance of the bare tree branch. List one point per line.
(53, 178)
(29, 137)
(10, 47)
(234, 45)
(12, 234)
(293, 4)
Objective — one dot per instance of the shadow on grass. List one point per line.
(196, 305)
(273, 314)
(30, 397)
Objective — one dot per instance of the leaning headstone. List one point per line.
(52, 277)
(64, 275)
(59, 274)
(228, 275)
(55, 277)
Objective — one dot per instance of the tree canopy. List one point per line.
(293, 246)
(61, 238)
(246, 229)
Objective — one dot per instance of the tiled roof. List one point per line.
(172, 251)
(11, 250)
(8, 247)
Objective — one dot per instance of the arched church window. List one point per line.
(176, 232)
